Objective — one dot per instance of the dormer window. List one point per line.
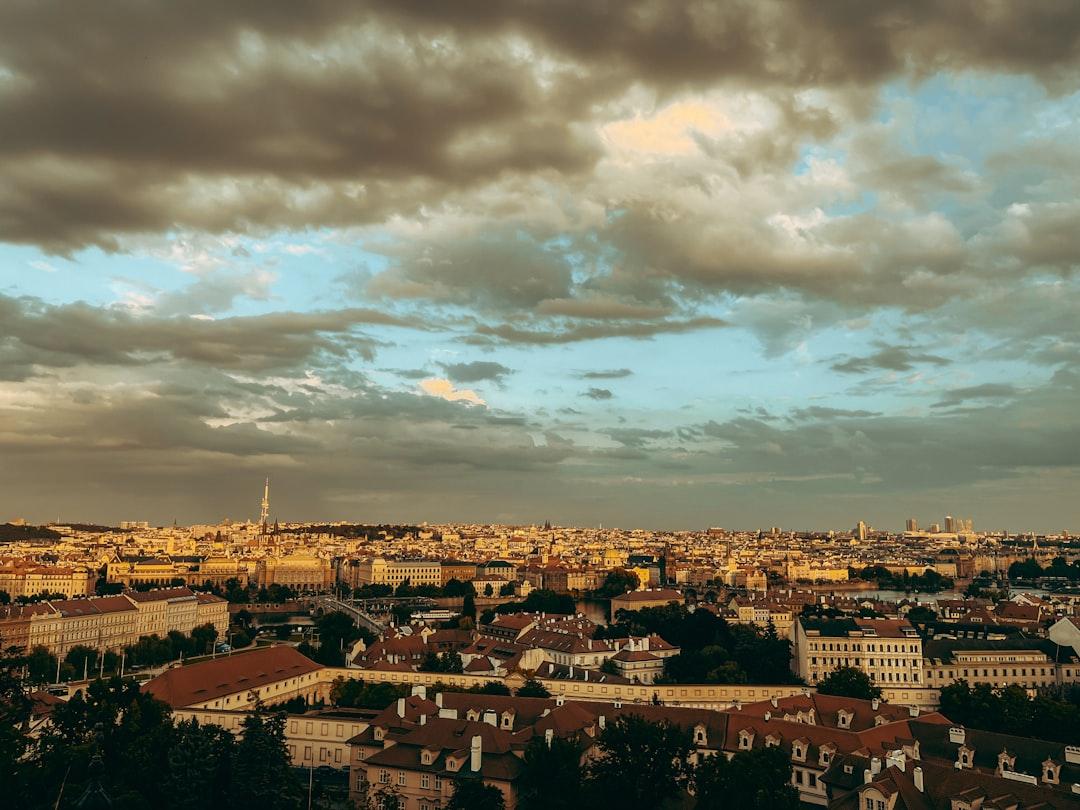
(1051, 772)
(700, 737)
(472, 714)
(772, 741)
(825, 756)
(746, 740)
(798, 750)
(380, 733)
(507, 720)
(1006, 762)
(844, 718)
(966, 755)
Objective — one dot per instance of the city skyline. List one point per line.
(659, 265)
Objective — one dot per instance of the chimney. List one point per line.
(774, 702)
(768, 716)
(491, 718)
(875, 766)
(916, 776)
(913, 711)
(438, 699)
(420, 691)
(401, 707)
(875, 703)
(549, 735)
(423, 719)
(476, 752)
(559, 700)
(868, 776)
(571, 671)
(602, 722)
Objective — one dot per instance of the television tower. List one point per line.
(264, 515)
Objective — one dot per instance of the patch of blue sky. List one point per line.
(972, 116)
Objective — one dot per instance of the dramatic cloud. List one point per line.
(826, 251)
(476, 371)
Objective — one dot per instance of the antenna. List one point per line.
(264, 515)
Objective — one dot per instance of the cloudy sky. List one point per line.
(662, 264)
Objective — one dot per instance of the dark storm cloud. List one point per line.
(33, 333)
(598, 393)
(889, 358)
(117, 116)
(476, 371)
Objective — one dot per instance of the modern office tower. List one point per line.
(912, 525)
(861, 530)
(950, 524)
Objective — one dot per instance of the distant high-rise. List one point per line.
(860, 531)
(912, 525)
(264, 515)
(950, 524)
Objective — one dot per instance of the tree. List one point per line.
(754, 780)
(203, 638)
(5, 598)
(551, 778)
(507, 589)
(15, 709)
(473, 794)
(641, 764)
(849, 682)
(618, 582)
(200, 765)
(468, 606)
(920, 613)
(262, 776)
(533, 688)
(40, 665)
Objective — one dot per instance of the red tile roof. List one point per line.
(208, 680)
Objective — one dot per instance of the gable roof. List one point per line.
(209, 680)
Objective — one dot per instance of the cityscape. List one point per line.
(540, 405)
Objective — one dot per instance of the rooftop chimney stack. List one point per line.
(401, 707)
(476, 752)
(549, 735)
(917, 777)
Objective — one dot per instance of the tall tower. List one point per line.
(264, 515)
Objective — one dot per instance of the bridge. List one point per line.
(361, 618)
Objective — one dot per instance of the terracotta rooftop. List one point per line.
(208, 680)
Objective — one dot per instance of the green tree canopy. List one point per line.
(754, 780)
(849, 682)
(641, 764)
(472, 794)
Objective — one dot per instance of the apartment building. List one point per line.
(457, 569)
(19, 579)
(888, 650)
(110, 622)
(385, 571)
(1028, 662)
